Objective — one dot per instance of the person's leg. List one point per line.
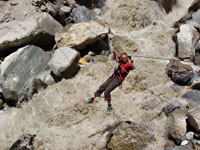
(115, 83)
(100, 90)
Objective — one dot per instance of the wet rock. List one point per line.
(177, 125)
(81, 34)
(167, 4)
(81, 14)
(19, 68)
(25, 142)
(187, 38)
(179, 73)
(64, 62)
(38, 30)
(131, 136)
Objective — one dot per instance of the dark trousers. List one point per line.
(110, 84)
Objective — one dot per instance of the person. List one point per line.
(125, 64)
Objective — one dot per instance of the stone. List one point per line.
(64, 62)
(81, 14)
(179, 73)
(184, 142)
(65, 9)
(25, 142)
(19, 68)
(183, 147)
(177, 125)
(82, 34)
(167, 4)
(170, 108)
(131, 136)
(46, 77)
(187, 38)
(194, 21)
(38, 30)
(194, 117)
(189, 136)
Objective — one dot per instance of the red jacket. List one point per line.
(125, 68)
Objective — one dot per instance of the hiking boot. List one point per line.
(89, 100)
(108, 110)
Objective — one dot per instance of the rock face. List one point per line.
(25, 142)
(81, 14)
(18, 71)
(39, 30)
(130, 136)
(187, 38)
(82, 34)
(64, 62)
(179, 73)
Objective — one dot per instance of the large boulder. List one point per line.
(38, 30)
(179, 73)
(64, 62)
(18, 70)
(81, 14)
(187, 38)
(81, 34)
(131, 136)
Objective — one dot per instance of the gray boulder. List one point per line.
(18, 71)
(81, 14)
(64, 62)
(37, 30)
(179, 73)
(131, 136)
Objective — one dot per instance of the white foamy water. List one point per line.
(60, 119)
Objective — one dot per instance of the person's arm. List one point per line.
(114, 54)
(131, 61)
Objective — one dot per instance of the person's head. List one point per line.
(124, 57)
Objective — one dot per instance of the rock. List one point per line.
(170, 108)
(130, 136)
(13, 3)
(81, 34)
(91, 3)
(18, 70)
(195, 6)
(5, 16)
(194, 117)
(194, 20)
(192, 95)
(189, 136)
(64, 62)
(185, 147)
(177, 125)
(169, 145)
(184, 142)
(46, 77)
(25, 142)
(38, 30)
(179, 73)
(167, 4)
(81, 14)
(65, 9)
(38, 2)
(187, 38)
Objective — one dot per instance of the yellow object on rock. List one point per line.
(82, 61)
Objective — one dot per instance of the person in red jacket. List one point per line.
(125, 64)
